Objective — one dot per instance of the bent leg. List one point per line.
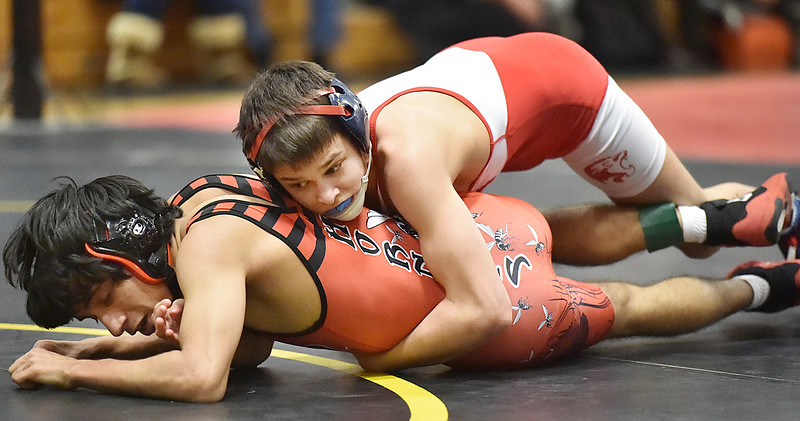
(626, 157)
(675, 184)
(600, 234)
(587, 235)
(674, 306)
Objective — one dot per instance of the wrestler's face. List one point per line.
(328, 180)
(125, 306)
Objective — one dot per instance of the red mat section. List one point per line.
(743, 118)
(747, 118)
(214, 115)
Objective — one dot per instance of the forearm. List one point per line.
(476, 306)
(124, 347)
(457, 256)
(164, 376)
(448, 332)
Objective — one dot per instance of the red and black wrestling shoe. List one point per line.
(756, 219)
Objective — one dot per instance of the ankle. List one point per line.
(782, 279)
(694, 224)
(760, 287)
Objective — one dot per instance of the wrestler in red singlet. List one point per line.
(540, 96)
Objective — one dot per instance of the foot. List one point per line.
(783, 279)
(790, 237)
(755, 219)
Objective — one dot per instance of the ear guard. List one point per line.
(135, 243)
(344, 103)
(356, 119)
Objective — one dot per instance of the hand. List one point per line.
(78, 350)
(64, 348)
(41, 367)
(167, 320)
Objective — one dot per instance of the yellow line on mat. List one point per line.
(62, 329)
(15, 206)
(422, 404)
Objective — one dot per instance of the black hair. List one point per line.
(46, 257)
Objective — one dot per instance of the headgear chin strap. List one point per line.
(134, 242)
(344, 103)
(351, 208)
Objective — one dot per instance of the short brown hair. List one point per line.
(294, 139)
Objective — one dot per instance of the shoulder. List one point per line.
(231, 247)
(213, 229)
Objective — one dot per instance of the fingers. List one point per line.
(162, 308)
(177, 307)
(165, 331)
(47, 344)
(15, 366)
(22, 372)
(161, 327)
(167, 319)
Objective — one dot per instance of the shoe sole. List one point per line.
(772, 204)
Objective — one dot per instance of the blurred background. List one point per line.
(151, 89)
(84, 59)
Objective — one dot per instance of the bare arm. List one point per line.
(254, 346)
(476, 306)
(125, 347)
(213, 281)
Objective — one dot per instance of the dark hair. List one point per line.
(45, 255)
(294, 139)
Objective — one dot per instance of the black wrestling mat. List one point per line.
(746, 367)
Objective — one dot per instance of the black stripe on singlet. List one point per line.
(292, 240)
(268, 221)
(243, 187)
(319, 249)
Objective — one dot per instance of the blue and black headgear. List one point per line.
(343, 103)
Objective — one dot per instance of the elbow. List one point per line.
(486, 319)
(500, 322)
(497, 310)
(496, 319)
(204, 387)
(208, 393)
(371, 366)
(209, 397)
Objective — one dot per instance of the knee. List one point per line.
(623, 300)
(619, 294)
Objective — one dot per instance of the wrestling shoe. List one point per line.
(755, 219)
(783, 279)
(790, 237)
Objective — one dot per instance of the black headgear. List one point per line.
(136, 243)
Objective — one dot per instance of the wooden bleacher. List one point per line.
(74, 49)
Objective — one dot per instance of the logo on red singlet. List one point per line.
(614, 168)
